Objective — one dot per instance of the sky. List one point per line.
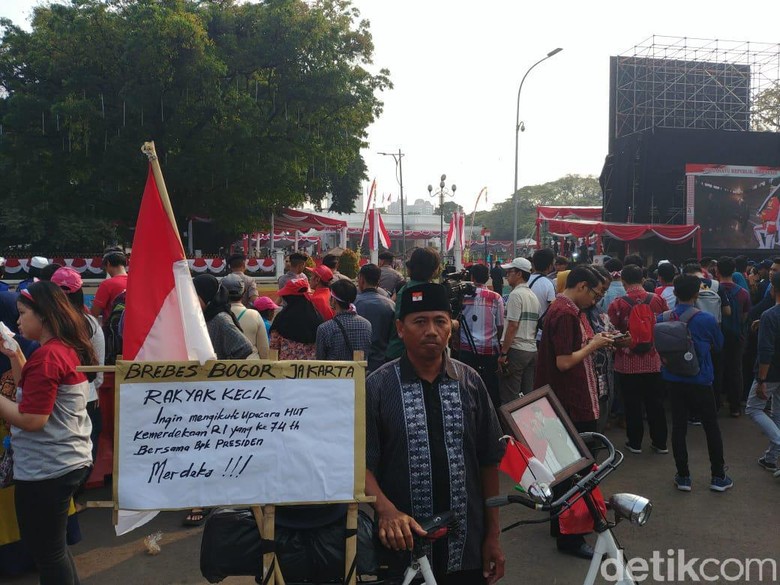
(456, 67)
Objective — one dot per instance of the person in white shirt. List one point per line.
(249, 320)
(542, 287)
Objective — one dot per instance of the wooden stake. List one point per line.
(350, 565)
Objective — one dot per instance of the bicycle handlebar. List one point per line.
(585, 484)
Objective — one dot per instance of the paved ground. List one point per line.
(739, 524)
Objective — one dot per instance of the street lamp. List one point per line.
(518, 127)
(400, 178)
(441, 193)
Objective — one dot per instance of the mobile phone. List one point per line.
(619, 336)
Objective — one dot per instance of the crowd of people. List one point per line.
(437, 374)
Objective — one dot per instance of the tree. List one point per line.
(765, 116)
(450, 207)
(252, 107)
(568, 190)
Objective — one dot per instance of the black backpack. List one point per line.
(112, 330)
(674, 343)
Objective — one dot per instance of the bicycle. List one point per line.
(636, 509)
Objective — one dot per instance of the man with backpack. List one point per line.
(683, 338)
(115, 265)
(543, 287)
(638, 365)
(735, 306)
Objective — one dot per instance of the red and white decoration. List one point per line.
(377, 234)
(456, 231)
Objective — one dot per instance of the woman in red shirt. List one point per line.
(50, 428)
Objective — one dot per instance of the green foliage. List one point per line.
(765, 116)
(251, 106)
(349, 263)
(568, 190)
(450, 207)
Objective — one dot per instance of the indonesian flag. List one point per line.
(377, 232)
(457, 230)
(163, 319)
(520, 464)
(371, 195)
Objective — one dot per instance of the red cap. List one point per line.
(298, 287)
(325, 273)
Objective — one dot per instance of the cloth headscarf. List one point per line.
(560, 281)
(214, 295)
(298, 320)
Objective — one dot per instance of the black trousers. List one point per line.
(487, 368)
(644, 390)
(42, 513)
(569, 540)
(685, 398)
(733, 347)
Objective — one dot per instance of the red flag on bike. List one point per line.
(578, 519)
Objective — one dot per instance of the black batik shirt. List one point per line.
(426, 443)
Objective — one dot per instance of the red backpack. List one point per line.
(641, 322)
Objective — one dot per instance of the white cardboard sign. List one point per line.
(224, 441)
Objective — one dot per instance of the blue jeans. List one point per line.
(769, 425)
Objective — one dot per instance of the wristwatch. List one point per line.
(761, 380)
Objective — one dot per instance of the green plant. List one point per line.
(348, 263)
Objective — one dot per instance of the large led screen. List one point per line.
(736, 206)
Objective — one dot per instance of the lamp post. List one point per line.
(518, 127)
(441, 193)
(400, 178)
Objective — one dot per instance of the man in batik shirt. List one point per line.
(432, 445)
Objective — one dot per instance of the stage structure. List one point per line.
(682, 108)
(680, 82)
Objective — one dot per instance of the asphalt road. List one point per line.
(739, 524)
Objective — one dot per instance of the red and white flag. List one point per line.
(520, 464)
(378, 234)
(163, 319)
(457, 229)
(371, 196)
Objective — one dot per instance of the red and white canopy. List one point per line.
(625, 232)
(549, 212)
(303, 221)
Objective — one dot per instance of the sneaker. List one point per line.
(683, 483)
(735, 414)
(777, 473)
(721, 484)
(694, 420)
(636, 450)
(659, 450)
(768, 465)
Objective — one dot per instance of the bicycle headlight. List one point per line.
(635, 509)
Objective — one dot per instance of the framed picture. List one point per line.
(539, 422)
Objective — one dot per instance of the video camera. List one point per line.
(459, 286)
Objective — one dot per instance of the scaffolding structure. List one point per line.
(690, 83)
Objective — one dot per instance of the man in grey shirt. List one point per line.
(379, 310)
(297, 262)
(237, 264)
(390, 279)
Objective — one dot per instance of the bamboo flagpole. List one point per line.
(151, 154)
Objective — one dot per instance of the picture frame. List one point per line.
(539, 422)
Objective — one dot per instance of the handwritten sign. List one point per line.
(239, 433)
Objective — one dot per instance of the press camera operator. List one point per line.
(482, 322)
(423, 266)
